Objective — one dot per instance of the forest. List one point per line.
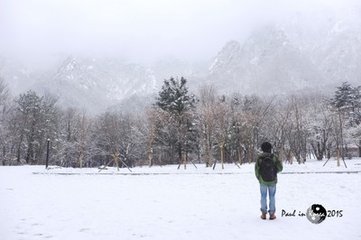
(181, 128)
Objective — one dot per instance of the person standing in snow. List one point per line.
(266, 168)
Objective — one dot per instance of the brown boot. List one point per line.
(272, 216)
(263, 216)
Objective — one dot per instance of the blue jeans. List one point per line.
(272, 201)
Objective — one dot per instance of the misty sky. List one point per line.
(141, 30)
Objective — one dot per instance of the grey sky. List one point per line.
(142, 30)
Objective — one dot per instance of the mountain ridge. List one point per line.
(273, 60)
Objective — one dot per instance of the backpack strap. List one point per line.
(271, 156)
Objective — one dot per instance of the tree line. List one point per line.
(181, 128)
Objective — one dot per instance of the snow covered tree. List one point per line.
(346, 103)
(48, 125)
(5, 135)
(344, 97)
(64, 147)
(177, 106)
(118, 140)
(298, 129)
(255, 113)
(277, 126)
(347, 100)
(150, 132)
(321, 128)
(207, 114)
(4, 95)
(174, 97)
(71, 147)
(33, 122)
(27, 117)
(222, 123)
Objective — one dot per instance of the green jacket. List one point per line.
(279, 167)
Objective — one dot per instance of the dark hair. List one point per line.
(266, 147)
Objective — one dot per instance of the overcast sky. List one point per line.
(142, 30)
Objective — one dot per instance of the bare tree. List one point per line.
(5, 135)
(222, 127)
(297, 129)
(152, 120)
(207, 110)
(320, 129)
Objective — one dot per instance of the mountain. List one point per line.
(314, 52)
(332, 42)
(339, 56)
(18, 77)
(95, 84)
(266, 63)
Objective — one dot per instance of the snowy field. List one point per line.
(166, 203)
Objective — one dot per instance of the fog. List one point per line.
(141, 30)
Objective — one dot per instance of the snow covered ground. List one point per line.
(166, 203)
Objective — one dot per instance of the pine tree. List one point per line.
(177, 131)
(347, 100)
(347, 105)
(174, 97)
(343, 97)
